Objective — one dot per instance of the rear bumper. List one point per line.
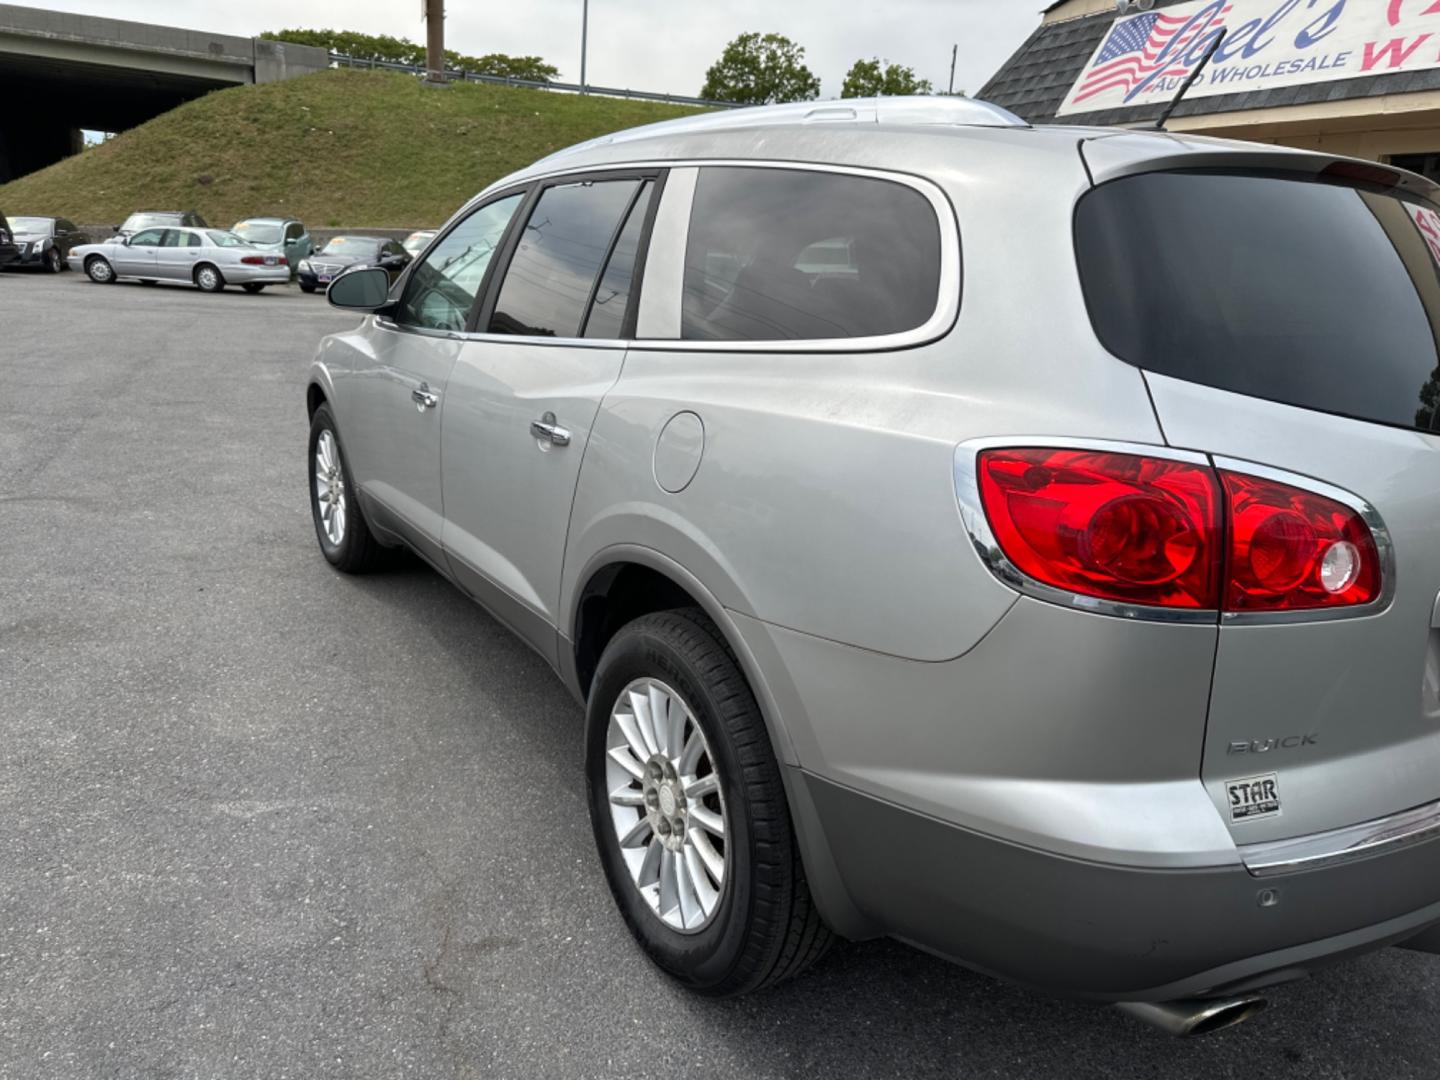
(257, 275)
(1109, 932)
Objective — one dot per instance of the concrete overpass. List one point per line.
(60, 73)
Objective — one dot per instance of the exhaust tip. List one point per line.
(1193, 1018)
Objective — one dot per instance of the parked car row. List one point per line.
(179, 245)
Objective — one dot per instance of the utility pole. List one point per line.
(584, 40)
(435, 42)
(954, 55)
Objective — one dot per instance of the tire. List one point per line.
(307, 288)
(54, 263)
(99, 270)
(763, 928)
(253, 289)
(209, 279)
(351, 548)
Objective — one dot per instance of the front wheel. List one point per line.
(307, 288)
(53, 261)
(253, 289)
(345, 538)
(99, 270)
(208, 279)
(689, 811)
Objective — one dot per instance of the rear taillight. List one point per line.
(1177, 534)
(1293, 550)
(252, 260)
(1139, 530)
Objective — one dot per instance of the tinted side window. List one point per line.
(193, 240)
(174, 238)
(612, 298)
(781, 254)
(442, 289)
(293, 232)
(148, 238)
(1312, 294)
(553, 271)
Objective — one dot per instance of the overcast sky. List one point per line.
(662, 45)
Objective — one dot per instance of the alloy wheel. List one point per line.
(330, 505)
(666, 804)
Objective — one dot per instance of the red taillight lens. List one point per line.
(1293, 550)
(1162, 533)
(1121, 527)
(253, 260)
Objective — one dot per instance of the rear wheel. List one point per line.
(689, 811)
(252, 289)
(99, 270)
(345, 538)
(208, 278)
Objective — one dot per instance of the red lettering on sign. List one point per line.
(1394, 12)
(1395, 50)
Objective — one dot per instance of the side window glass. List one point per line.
(174, 238)
(292, 232)
(612, 298)
(148, 238)
(442, 289)
(549, 280)
(193, 240)
(786, 254)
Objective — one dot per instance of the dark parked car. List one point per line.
(45, 241)
(8, 251)
(159, 219)
(343, 253)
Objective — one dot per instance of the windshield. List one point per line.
(148, 221)
(225, 239)
(31, 225)
(415, 242)
(1294, 289)
(351, 245)
(258, 233)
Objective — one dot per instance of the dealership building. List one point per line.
(1353, 77)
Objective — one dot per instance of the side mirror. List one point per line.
(363, 289)
(124, 241)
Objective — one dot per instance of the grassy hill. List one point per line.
(338, 149)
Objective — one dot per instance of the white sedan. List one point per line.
(208, 258)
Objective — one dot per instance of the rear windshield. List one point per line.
(1297, 290)
(149, 221)
(259, 234)
(226, 240)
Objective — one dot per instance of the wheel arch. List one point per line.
(624, 582)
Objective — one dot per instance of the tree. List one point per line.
(761, 70)
(404, 51)
(880, 78)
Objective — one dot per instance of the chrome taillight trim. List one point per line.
(977, 525)
(1379, 837)
(1384, 547)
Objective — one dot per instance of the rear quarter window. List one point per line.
(1294, 289)
(788, 254)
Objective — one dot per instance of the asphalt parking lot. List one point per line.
(258, 820)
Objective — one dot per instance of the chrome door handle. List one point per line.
(424, 398)
(547, 430)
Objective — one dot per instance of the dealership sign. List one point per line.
(1144, 59)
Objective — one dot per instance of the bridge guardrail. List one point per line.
(342, 60)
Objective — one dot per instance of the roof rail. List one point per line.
(915, 111)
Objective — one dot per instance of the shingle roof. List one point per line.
(1034, 82)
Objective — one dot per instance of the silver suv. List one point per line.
(1021, 542)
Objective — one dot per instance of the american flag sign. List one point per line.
(1138, 48)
